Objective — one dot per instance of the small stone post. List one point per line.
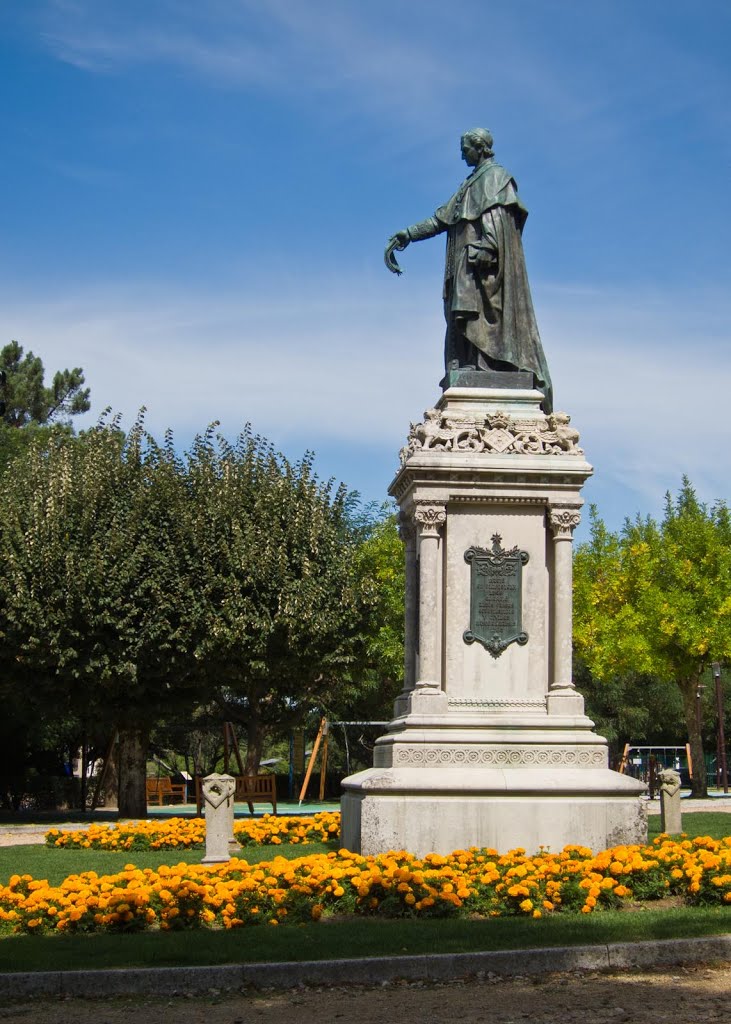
(218, 798)
(670, 816)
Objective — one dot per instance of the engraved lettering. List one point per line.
(496, 597)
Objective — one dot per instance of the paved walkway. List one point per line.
(430, 969)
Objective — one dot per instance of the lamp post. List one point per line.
(723, 780)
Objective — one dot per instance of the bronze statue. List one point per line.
(491, 325)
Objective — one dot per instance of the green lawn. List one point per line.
(353, 938)
(716, 824)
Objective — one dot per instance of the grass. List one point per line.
(716, 824)
(352, 938)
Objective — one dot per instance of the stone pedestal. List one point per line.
(218, 802)
(489, 745)
(671, 819)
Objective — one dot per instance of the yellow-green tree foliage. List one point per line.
(655, 599)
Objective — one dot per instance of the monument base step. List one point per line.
(439, 811)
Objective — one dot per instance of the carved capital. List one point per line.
(406, 530)
(563, 520)
(429, 517)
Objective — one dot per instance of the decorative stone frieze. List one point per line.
(494, 433)
(497, 705)
(524, 756)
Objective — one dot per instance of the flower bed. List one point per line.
(466, 883)
(190, 833)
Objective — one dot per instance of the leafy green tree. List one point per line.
(655, 600)
(40, 411)
(630, 707)
(276, 559)
(26, 397)
(98, 594)
(378, 677)
(137, 585)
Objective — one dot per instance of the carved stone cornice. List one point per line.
(563, 520)
(429, 517)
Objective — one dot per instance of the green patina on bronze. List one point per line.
(496, 597)
(491, 325)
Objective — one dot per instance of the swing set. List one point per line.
(322, 739)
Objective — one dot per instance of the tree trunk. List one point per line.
(699, 785)
(132, 772)
(254, 741)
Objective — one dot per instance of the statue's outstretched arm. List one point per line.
(424, 229)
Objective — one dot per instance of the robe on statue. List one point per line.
(487, 301)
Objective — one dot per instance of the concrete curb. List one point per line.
(171, 981)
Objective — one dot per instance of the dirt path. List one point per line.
(683, 996)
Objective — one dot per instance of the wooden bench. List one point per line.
(250, 789)
(158, 790)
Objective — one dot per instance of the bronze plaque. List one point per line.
(496, 597)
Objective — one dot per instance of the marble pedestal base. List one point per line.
(442, 811)
(489, 744)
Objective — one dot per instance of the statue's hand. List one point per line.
(400, 240)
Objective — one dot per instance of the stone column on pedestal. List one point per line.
(563, 697)
(407, 533)
(429, 517)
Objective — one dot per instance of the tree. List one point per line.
(98, 596)
(655, 600)
(276, 554)
(629, 706)
(378, 676)
(137, 585)
(28, 400)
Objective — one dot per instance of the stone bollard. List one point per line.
(218, 798)
(670, 816)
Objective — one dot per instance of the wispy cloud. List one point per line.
(645, 386)
(646, 383)
(86, 174)
(401, 62)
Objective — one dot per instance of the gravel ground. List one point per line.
(683, 996)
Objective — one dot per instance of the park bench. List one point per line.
(158, 790)
(250, 789)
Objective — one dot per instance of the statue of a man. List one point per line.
(487, 303)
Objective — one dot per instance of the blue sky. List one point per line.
(196, 195)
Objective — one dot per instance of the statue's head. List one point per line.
(476, 141)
